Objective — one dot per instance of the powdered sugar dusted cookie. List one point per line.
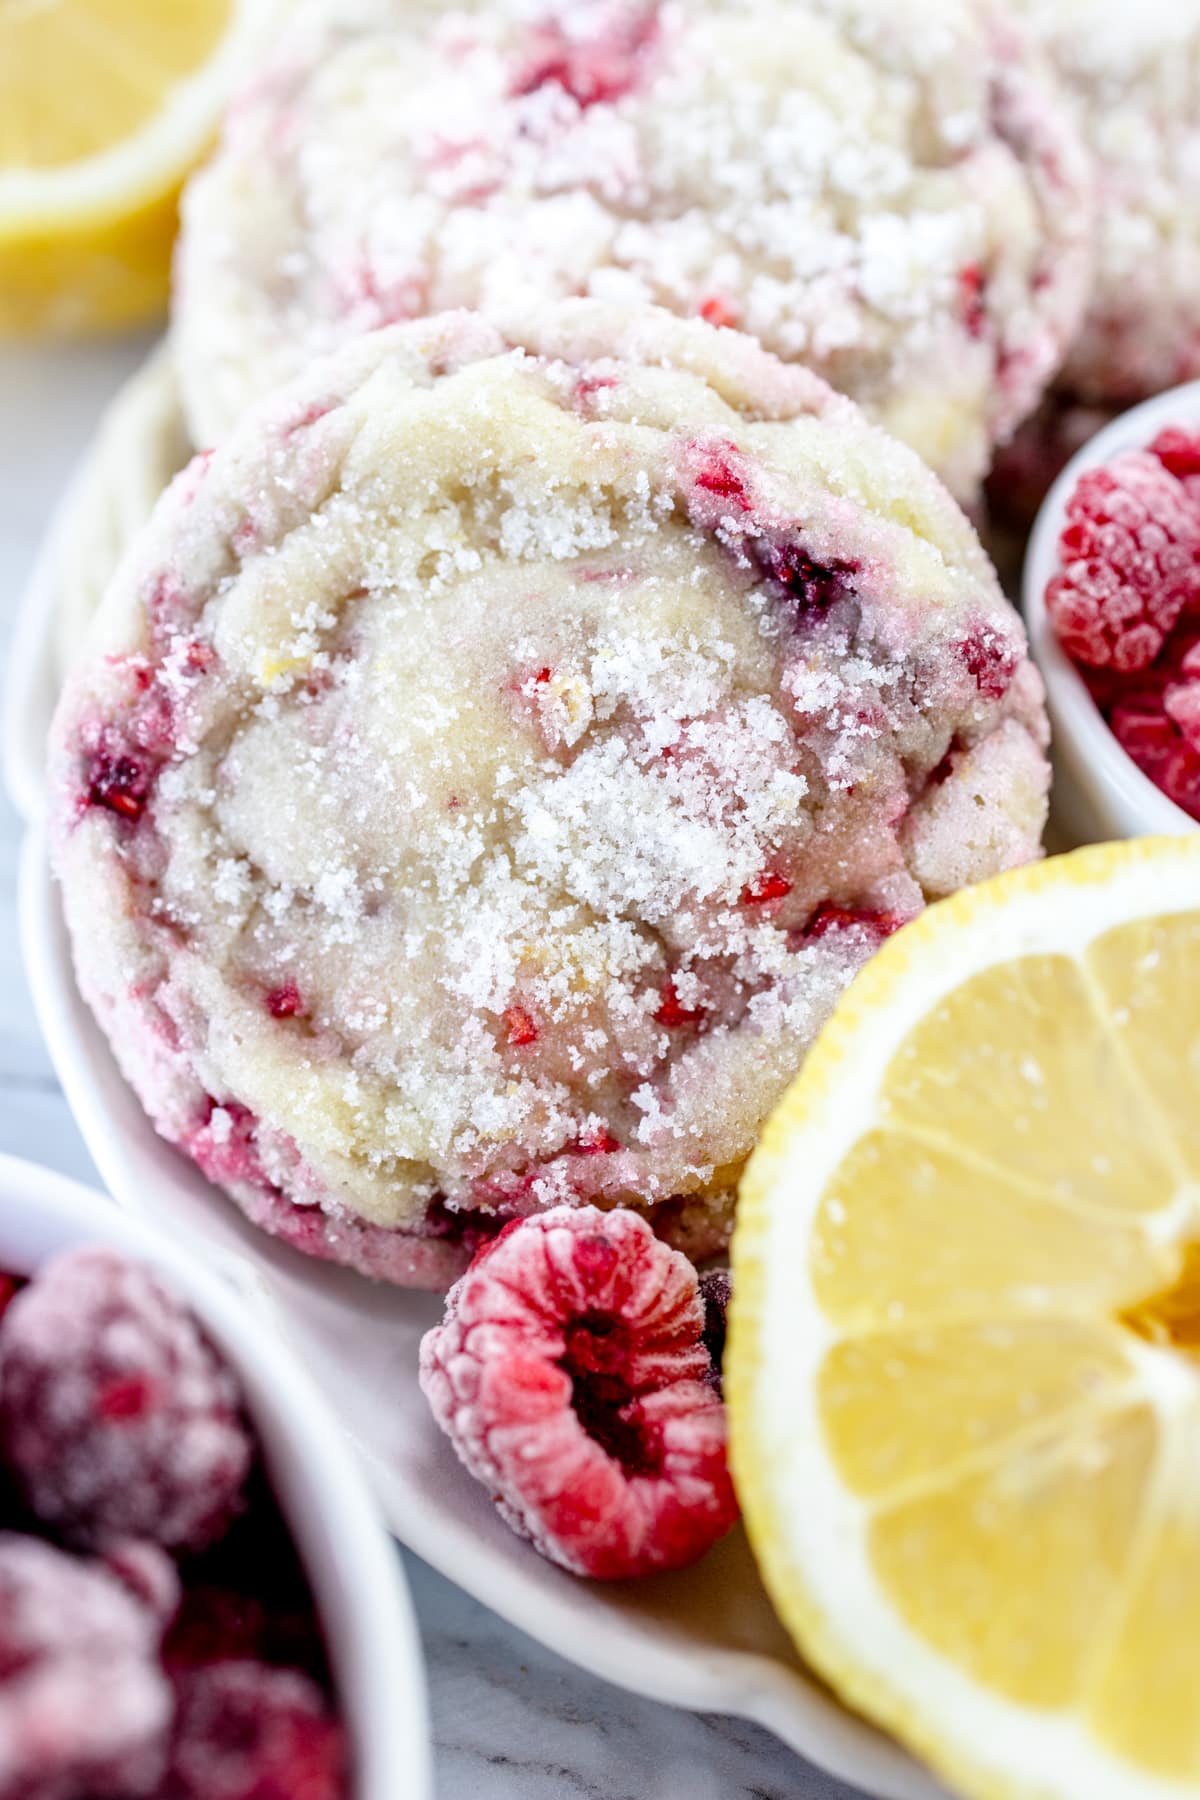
(889, 190)
(1133, 72)
(493, 762)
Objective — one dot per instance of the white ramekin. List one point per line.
(360, 1590)
(1099, 792)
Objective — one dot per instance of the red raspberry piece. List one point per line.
(717, 473)
(117, 781)
(770, 885)
(570, 1375)
(718, 310)
(672, 1013)
(1130, 564)
(1178, 451)
(519, 1026)
(244, 1731)
(284, 1001)
(594, 1142)
(84, 1707)
(811, 588)
(972, 288)
(829, 917)
(224, 1145)
(117, 1419)
(991, 659)
(593, 71)
(9, 1287)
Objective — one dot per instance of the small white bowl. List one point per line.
(359, 1586)
(1099, 792)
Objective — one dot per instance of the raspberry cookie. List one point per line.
(892, 194)
(495, 759)
(1133, 74)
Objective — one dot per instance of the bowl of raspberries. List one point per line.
(1112, 601)
(197, 1601)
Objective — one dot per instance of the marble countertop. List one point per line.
(510, 1721)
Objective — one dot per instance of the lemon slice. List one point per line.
(105, 105)
(964, 1359)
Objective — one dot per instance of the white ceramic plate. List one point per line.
(139, 444)
(706, 1639)
(357, 1579)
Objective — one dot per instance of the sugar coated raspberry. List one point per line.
(84, 1707)
(244, 1731)
(1155, 722)
(569, 1373)
(116, 1417)
(147, 1573)
(1129, 563)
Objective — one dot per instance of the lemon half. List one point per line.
(105, 106)
(964, 1360)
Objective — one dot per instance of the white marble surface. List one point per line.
(510, 1721)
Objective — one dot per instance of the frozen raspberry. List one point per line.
(1140, 724)
(1178, 451)
(244, 1731)
(1179, 777)
(1130, 563)
(117, 1419)
(1181, 703)
(9, 1286)
(716, 1289)
(569, 1373)
(215, 1625)
(148, 1574)
(248, 1597)
(84, 1707)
